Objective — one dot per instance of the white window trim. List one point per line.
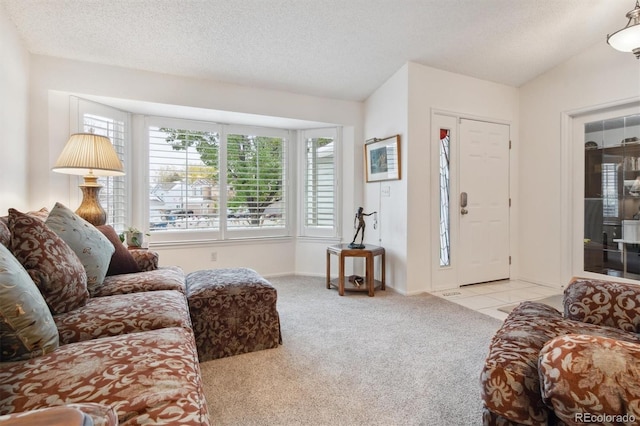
(78, 107)
(313, 231)
(173, 236)
(286, 135)
(137, 182)
(189, 236)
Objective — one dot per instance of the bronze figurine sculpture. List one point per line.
(361, 225)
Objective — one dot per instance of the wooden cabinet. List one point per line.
(612, 195)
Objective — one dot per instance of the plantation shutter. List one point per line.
(257, 181)
(319, 197)
(112, 123)
(184, 192)
(610, 189)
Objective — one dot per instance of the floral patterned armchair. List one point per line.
(583, 367)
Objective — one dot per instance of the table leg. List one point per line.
(369, 274)
(341, 276)
(383, 272)
(328, 269)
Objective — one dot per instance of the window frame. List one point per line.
(284, 231)
(311, 231)
(222, 233)
(137, 180)
(79, 107)
(177, 235)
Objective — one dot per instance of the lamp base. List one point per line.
(90, 208)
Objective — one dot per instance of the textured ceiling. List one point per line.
(341, 49)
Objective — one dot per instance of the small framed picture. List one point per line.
(382, 159)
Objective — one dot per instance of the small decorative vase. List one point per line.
(134, 239)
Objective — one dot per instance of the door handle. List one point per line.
(464, 211)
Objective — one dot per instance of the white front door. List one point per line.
(483, 205)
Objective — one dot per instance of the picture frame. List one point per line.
(382, 159)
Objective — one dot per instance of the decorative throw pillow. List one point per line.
(5, 235)
(39, 214)
(50, 262)
(92, 248)
(27, 328)
(122, 262)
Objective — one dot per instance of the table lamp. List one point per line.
(89, 155)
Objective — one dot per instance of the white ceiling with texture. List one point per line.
(341, 49)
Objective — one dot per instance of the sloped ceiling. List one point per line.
(341, 49)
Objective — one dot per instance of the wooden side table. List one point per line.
(369, 252)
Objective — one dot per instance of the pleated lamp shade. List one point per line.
(88, 153)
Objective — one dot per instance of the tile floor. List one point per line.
(488, 297)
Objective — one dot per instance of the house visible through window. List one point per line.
(231, 180)
(184, 190)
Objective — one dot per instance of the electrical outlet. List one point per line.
(214, 256)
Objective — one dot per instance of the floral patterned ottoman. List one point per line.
(233, 311)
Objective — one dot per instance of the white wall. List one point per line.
(53, 78)
(14, 102)
(387, 115)
(404, 105)
(435, 90)
(599, 76)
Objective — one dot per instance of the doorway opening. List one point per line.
(598, 191)
(612, 196)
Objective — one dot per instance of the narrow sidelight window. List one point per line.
(445, 192)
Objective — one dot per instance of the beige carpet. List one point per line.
(356, 360)
(554, 301)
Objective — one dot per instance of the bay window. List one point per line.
(196, 181)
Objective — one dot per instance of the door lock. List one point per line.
(463, 203)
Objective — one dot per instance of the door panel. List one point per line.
(484, 223)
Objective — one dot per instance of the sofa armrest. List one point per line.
(591, 379)
(608, 303)
(147, 260)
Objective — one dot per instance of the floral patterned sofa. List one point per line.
(583, 367)
(91, 327)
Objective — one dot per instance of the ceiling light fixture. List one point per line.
(628, 38)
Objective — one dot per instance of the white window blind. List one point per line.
(216, 181)
(610, 189)
(184, 191)
(319, 192)
(112, 123)
(256, 180)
